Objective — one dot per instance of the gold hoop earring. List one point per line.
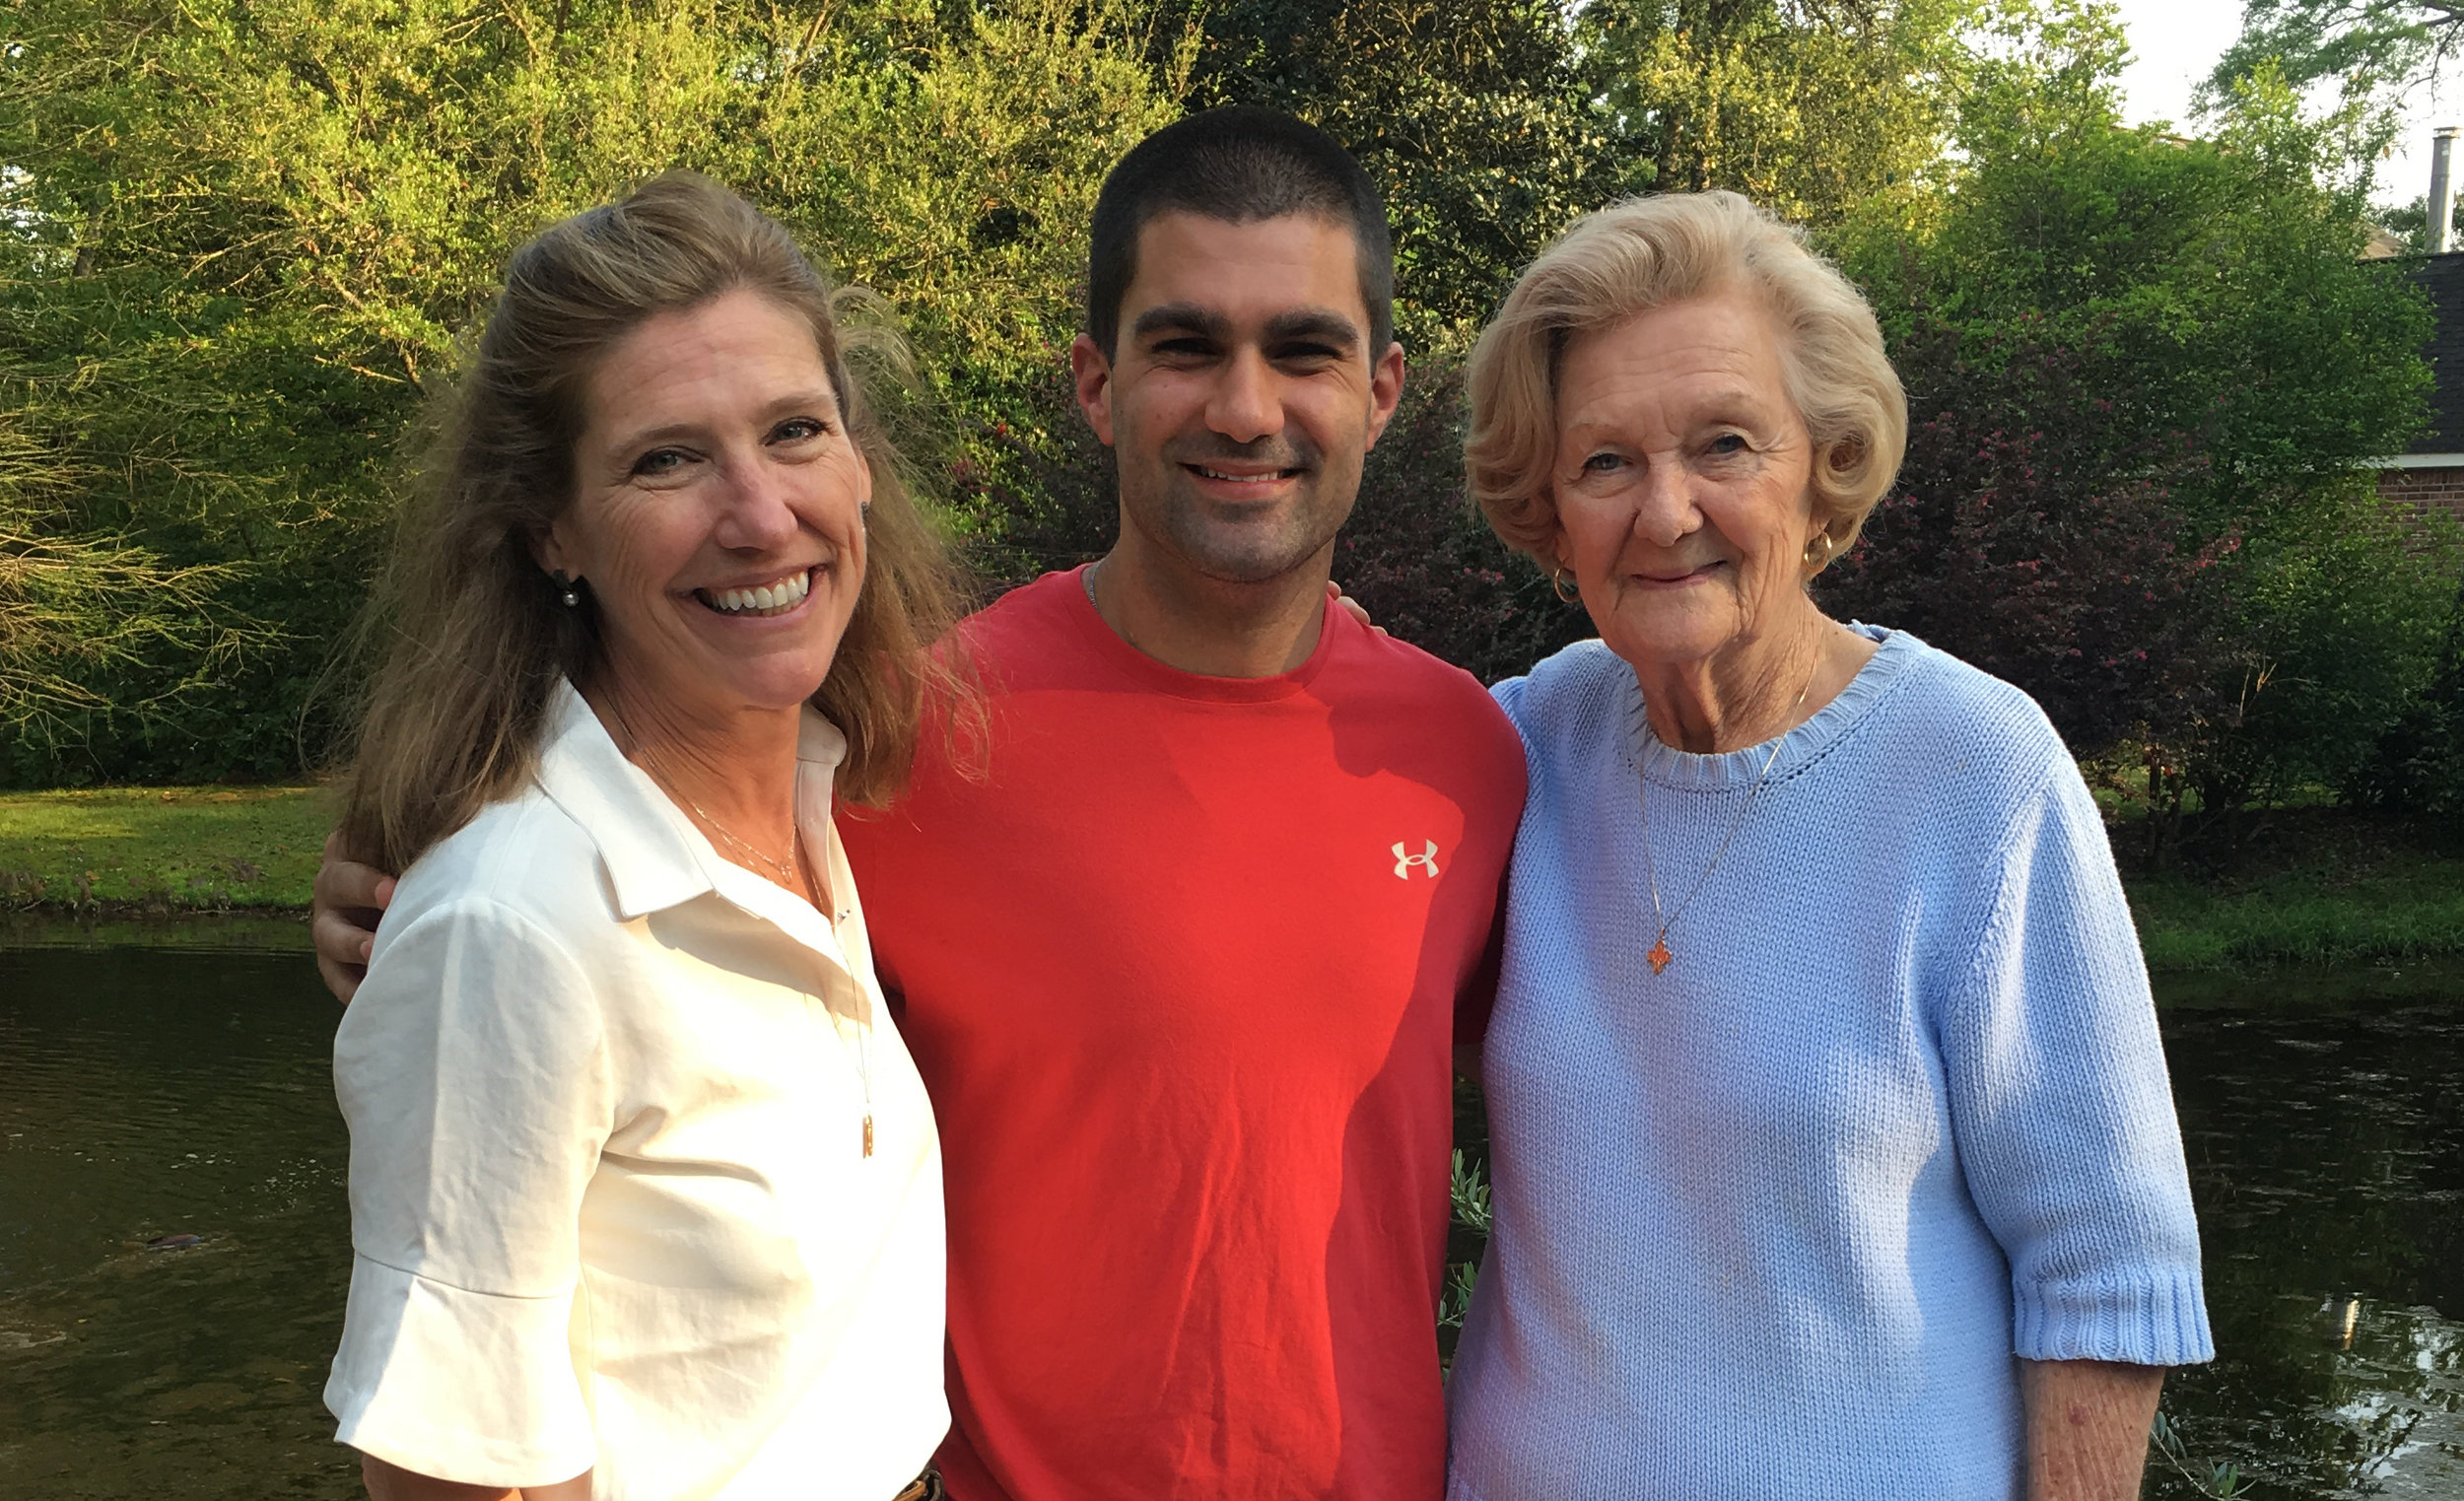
(1565, 591)
(1819, 551)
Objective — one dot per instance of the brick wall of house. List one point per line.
(2427, 488)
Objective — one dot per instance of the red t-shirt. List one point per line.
(1182, 977)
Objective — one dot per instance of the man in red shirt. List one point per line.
(1183, 969)
(1182, 963)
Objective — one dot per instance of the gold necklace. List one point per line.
(793, 879)
(1659, 956)
(788, 873)
(863, 1061)
(863, 1023)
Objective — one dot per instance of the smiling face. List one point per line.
(716, 511)
(1682, 481)
(1242, 394)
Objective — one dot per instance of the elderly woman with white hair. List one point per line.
(1832, 1144)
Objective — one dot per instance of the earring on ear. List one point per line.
(1819, 551)
(863, 513)
(1561, 582)
(571, 596)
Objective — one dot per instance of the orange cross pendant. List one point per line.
(1659, 955)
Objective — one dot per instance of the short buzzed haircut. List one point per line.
(1239, 164)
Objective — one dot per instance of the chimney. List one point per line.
(2442, 190)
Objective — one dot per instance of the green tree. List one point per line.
(1809, 106)
(252, 234)
(2373, 49)
(2218, 281)
(1472, 116)
(71, 603)
(2214, 290)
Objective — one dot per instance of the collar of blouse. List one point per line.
(654, 857)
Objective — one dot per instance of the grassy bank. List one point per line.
(162, 849)
(2312, 918)
(2312, 886)
(2301, 886)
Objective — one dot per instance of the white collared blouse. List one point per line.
(610, 1207)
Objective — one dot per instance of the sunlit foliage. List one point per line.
(247, 237)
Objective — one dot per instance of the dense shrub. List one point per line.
(2151, 444)
(1420, 559)
(1041, 470)
(2022, 538)
(2418, 765)
(2034, 535)
(239, 243)
(2343, 615)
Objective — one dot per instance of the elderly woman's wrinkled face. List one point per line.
(1682, 481)
(717, 508)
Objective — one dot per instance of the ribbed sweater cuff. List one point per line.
(2153, 1318)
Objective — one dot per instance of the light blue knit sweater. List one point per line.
(1776, 1222)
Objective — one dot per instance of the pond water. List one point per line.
(149, 1092)
(152, 1092)
(2326, 1143)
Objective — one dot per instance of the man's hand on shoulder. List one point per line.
(349, 899)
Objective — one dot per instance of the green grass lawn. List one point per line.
(2401, 911)
(2301, 885)
(175, 848)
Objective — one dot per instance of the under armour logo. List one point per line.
(1426, 861)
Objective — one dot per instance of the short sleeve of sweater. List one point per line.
(471, 1069)
(2060, 1105)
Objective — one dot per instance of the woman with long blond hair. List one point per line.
(645, 1192)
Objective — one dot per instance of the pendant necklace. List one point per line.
(794, 879)
(785, 874)
(1659, 956)
(863, 1068)
(863, 1023)
(812, 894)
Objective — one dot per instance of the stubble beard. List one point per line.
(1246, 551)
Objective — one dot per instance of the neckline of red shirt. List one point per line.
(1162, 677)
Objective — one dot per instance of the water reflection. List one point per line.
(2327, 1151)
(146, 1094)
